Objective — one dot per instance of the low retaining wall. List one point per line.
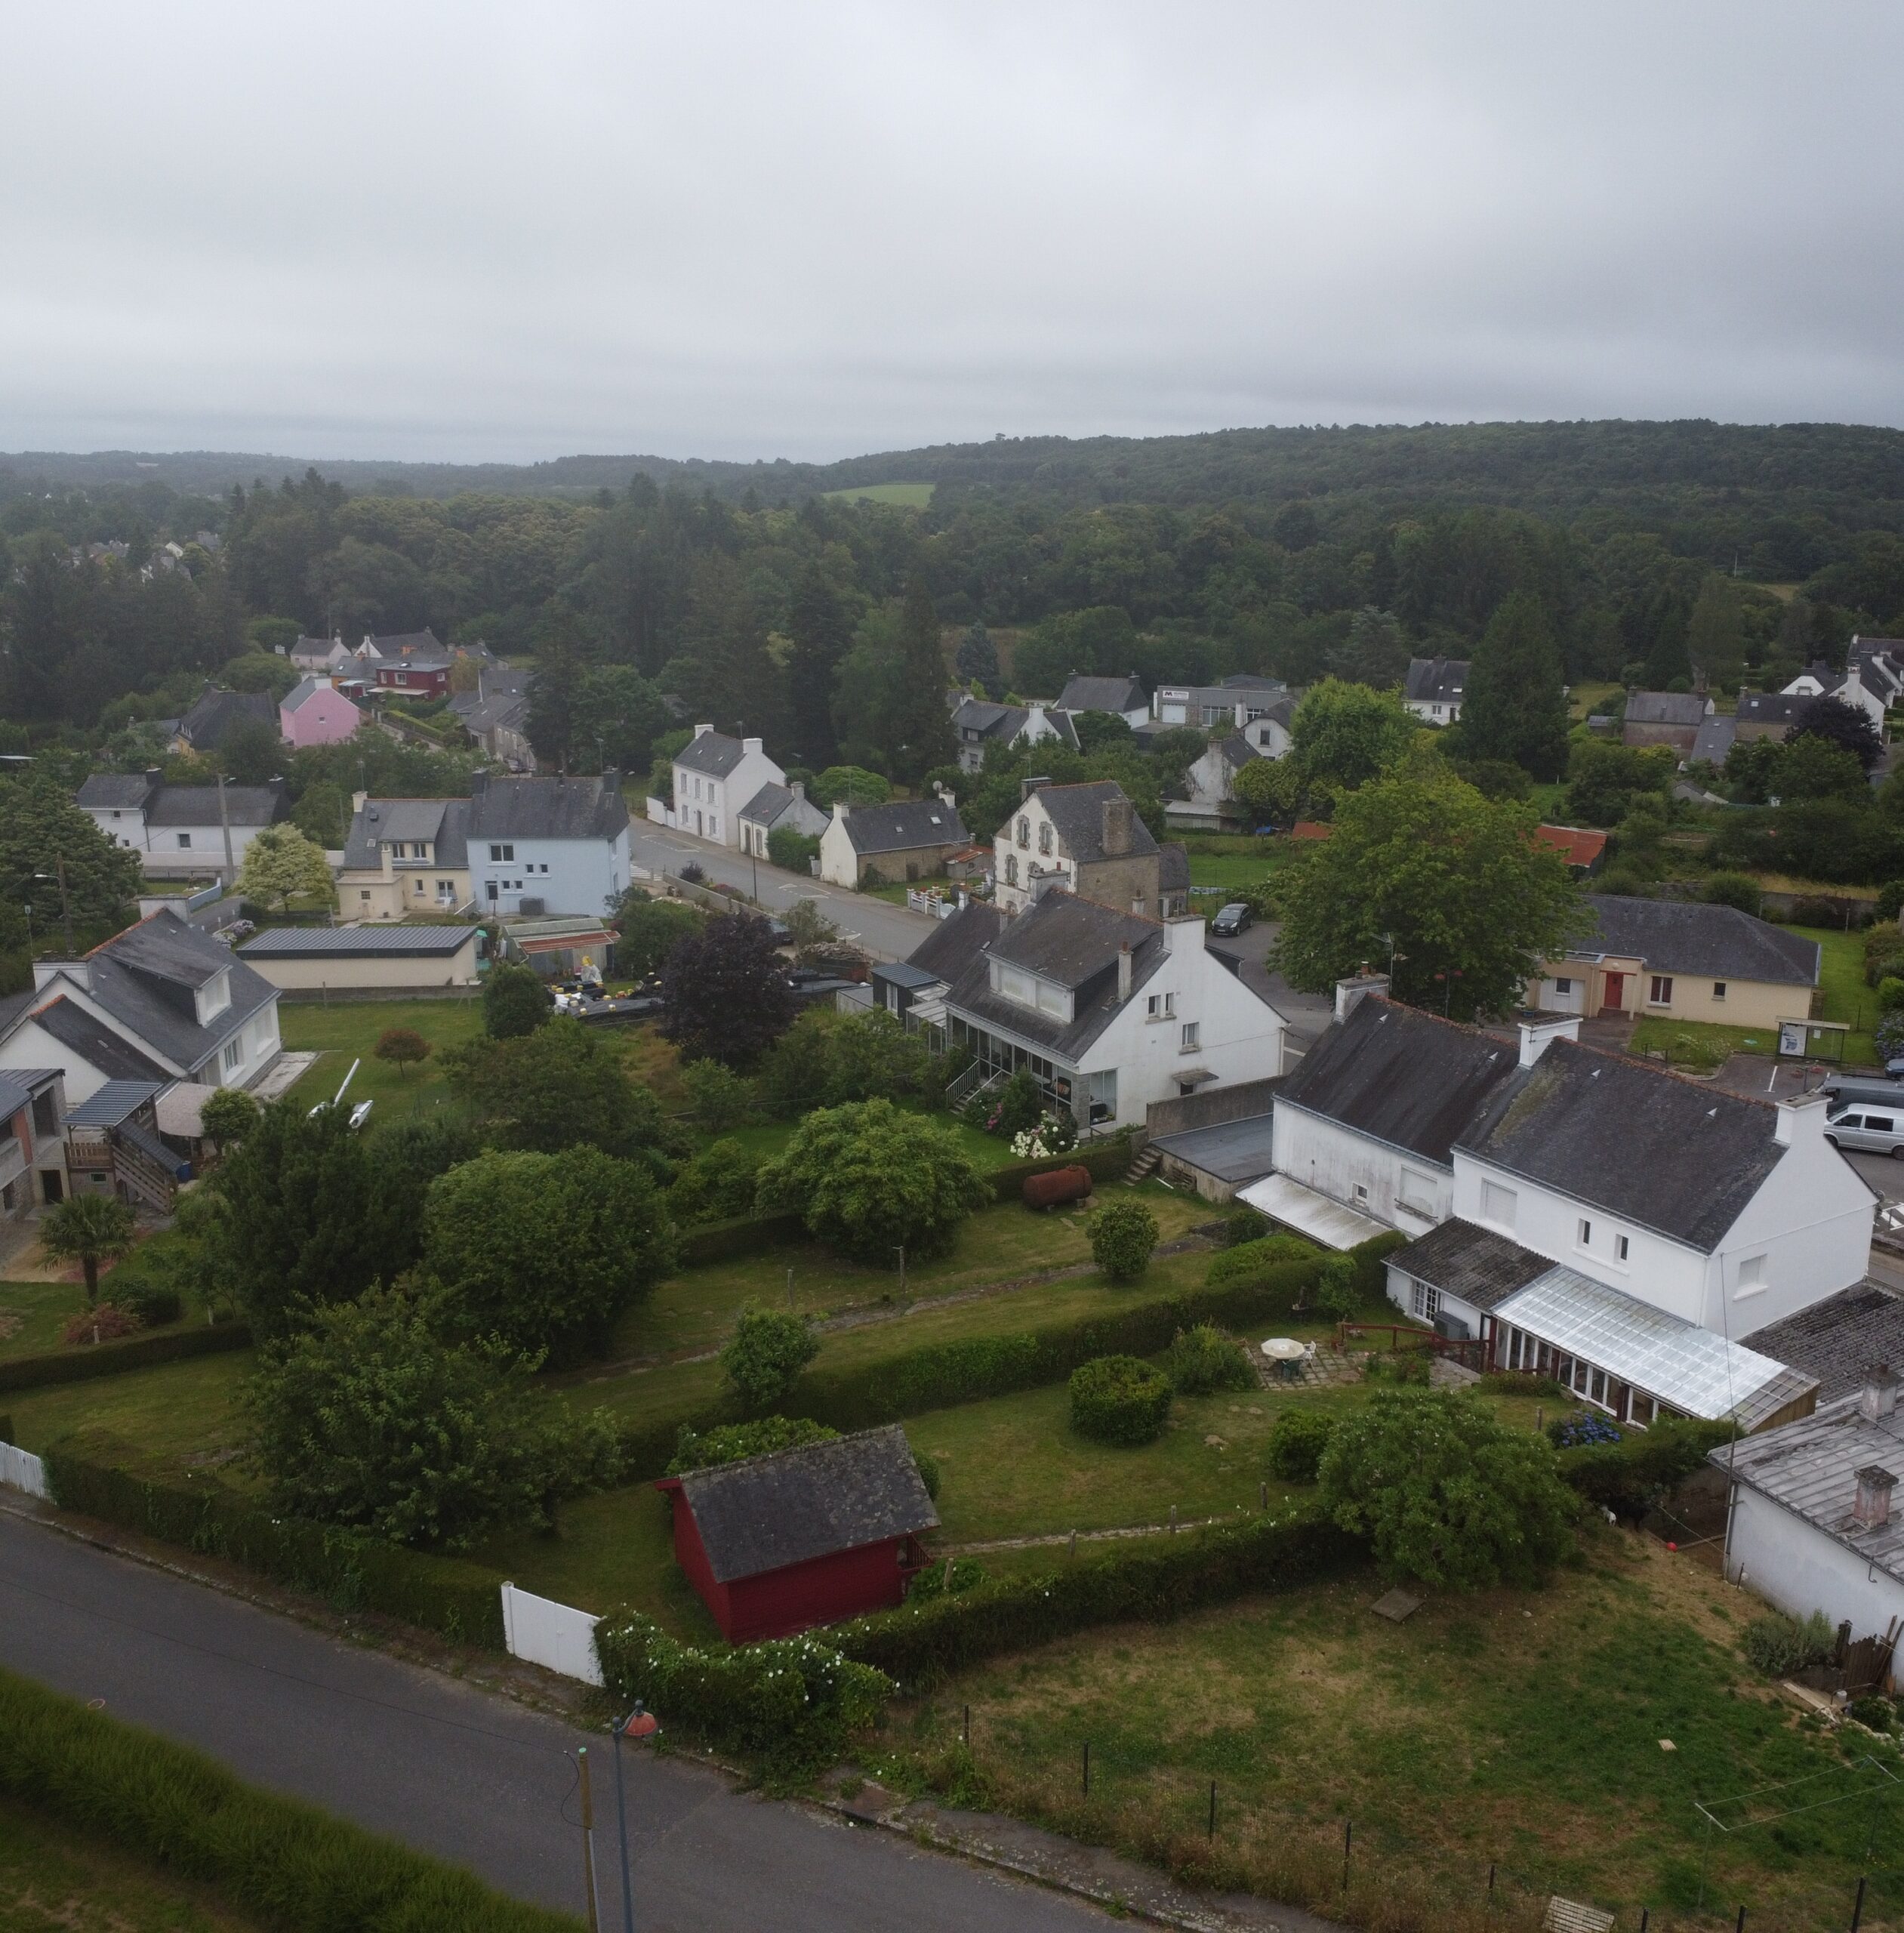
(1210, 1107)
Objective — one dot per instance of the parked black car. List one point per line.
(1235, 918)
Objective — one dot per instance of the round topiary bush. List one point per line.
(1297, 1439)
(1120, 1400)
(1122, 1235)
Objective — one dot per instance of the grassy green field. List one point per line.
(1581, 698)
(1564, 1734)
(32, 1314)
(349, 1031)
(162, 1422)
(54, 1880)
(904, 496)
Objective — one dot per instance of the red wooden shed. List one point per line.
(798, 1537)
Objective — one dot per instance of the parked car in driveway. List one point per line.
(1234, 919)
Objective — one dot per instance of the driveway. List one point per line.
(468, 1777)
(885, 931)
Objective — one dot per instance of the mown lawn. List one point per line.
(1846, 997)
(1709, 1043)
(53, 1878)
(350, 1030)
(32, 1314)
(696, 1309)
(162, 1422)
(1561, 1736)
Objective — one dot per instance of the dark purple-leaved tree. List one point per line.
(725, 990)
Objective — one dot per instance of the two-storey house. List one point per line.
(404, 856)
(545, 846)
(1086, 839)
(314, 712)
(180, 830)
(1119, 698)
(32, 1158)
(1433, 688)
(977, 725)
(714, 777)
(159, 1003)
(1109, 1010)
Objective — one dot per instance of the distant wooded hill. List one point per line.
(1850, 475)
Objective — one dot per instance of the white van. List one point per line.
(1867, 1127)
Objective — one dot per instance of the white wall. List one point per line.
(163, 855)
(1331, 1159)
(1798, 1568)
(839, 862)
(259, 1046)
(1240, 1037)
(569, 876)
(718, 801)
(28, 1046)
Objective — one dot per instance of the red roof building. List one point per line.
(1310, 828)
(777, 1543)
(1582, 849)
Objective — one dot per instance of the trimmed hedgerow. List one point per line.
(744, 1234)
(1629, 1477)
(942, 1374)
(1148, 1579)
(1120, 1399)
(1247, 1261)
(1106, 1160)
(274, 1860)
(701, 1449)
(352, 1572)
(793, 1702)
(113, 1358)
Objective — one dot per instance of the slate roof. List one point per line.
(1078, 811)
(1665, 708)
(301, 693)
(768, 804)
(791, 1506)
(980, 717)
(713, 753)
(1687, 936)
(1089, 694)
(90, 1039)
(357, 942)
(1839, 1340)
(441, 823)
(1400, 1077)
(198, 805)
(1238, 750)
(1473, 1264)
(547, 808)
(1173, 867)
(399, 644)
(1784, 708)
(146, 978)
(954, 944)
(905, 825)
(116, 791)
(1436, 680)
(1714, 739)
(1072, 941)
(1679, 1157)
(16, 1086)
(1811, 1468)
(209, 722)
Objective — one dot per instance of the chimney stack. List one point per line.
(1123, 972)
(1871, 1511)
(1118, 815)
(751, 745)
(1878, 1398)
(1350, 993)
(1800, 1121)
(1537, 1035)
(701, 731)
(1027, 786)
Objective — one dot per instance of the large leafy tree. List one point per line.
(726, 991)
(369, 1418)
(545, 1250)
(869, 1178)
(40, 828)
(650, 928)
(1424, 870)
(515, 1001)
(281, 864)
(1849, 727)
(1515, 708)
(557, 1087)
(1345, 734)
(1447, 1495)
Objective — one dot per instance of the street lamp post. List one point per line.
(59, 878)
(640, 1723)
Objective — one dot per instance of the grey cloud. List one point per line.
(475, 231)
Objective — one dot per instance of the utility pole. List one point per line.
(224, 820)
(66, 904)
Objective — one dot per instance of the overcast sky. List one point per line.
(474, 231)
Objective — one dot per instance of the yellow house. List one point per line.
(404, 856)
(1683, 960)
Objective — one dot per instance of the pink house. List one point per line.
(316, 713)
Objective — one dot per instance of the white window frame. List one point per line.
(1423, 1302)
(1190, 1037)
(1622, 1248)
(1659, 992)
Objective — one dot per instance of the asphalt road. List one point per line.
(466, 1776)
(886, 931)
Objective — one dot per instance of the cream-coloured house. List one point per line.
(379, 959)
(405, 856)
(1682, 960)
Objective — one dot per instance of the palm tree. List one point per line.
(88, 1229)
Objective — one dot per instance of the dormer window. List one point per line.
(215, 995)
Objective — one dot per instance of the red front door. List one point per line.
(1613, 1000)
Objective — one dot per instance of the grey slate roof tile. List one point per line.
(712, 754)
(1689, 937)
(765, 1513)
(1078, 811)
(590, 808)
(1839, 1340)
(1084, 693)
(905, 825)
(1436, 680)
(1473, 1263)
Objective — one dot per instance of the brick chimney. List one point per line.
(1119, 814)
(1872, 1509)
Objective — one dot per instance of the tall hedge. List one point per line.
(1628, 1476)
(462, 1600)
(82, 1365)
(274, 1861)
(1152, 1578)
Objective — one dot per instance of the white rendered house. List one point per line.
(714, 777)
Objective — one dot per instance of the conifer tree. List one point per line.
(1514, 707)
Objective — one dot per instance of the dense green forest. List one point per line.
(759, 601)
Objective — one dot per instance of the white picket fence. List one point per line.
(20, 1469)
(556, 1635)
